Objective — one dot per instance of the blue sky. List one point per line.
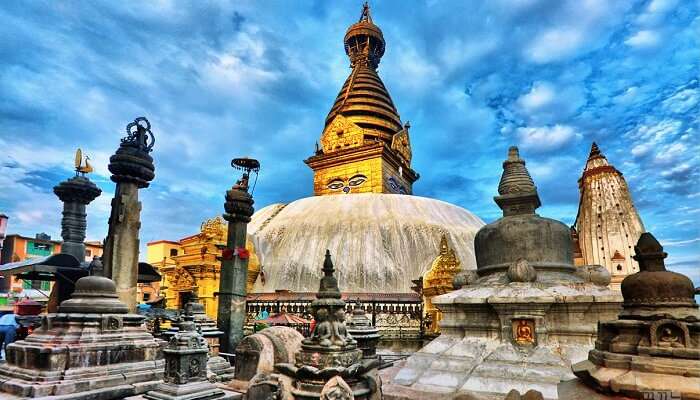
(230, 78)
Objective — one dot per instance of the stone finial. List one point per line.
(329, 284)
(517, 191)
(131, 163)
(649, 253)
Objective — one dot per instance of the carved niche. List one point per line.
(668, 333)
(111, 323)
(524, 331)
(341, 134)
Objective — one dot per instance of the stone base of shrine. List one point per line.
(189, 391)
(94, 383)
(641, 377)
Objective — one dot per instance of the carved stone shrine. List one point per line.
(654, 345)
(524, 316)
(91, 349)
(186, 368)
(329, 364)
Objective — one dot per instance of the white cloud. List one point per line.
(546, 138)
(554, 44)
(671, 154)
(541, 95)
(671, 243)
(682, 101)
(643, 39)
(547, 103)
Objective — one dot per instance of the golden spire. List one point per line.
(364, 146)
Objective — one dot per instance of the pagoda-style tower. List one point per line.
(364, 147)
(607, 224)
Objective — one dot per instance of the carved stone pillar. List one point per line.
(132, 169)
(234, 265)
(75, 193)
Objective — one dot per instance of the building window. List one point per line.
(173, 252)
(147, 296)
(619, 267)
(88, 253)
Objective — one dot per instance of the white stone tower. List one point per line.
(607, 224)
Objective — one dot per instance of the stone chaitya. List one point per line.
(329, 361)
(91, 349)
(361, 329)
(186, 368)
(218, 369)
(653, 348)
(525, 314)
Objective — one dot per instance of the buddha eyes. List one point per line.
(339, 184)
(336, 184)
(357, 180)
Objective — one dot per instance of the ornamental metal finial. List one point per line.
(247, 165)
(139, 135)
(81, 168)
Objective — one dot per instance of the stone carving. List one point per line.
(596, 274)
(521, 271)
(111, 323)
(336, 389)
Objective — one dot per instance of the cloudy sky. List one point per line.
(231, 78)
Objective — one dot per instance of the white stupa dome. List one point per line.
(379, 242)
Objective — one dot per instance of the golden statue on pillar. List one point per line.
(85, 168)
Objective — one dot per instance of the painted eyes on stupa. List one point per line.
(336, 184)
(357, 180)
(339, 184)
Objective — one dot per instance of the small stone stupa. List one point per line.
(653, 349)
(91, 349)
(329, 365)
(524, 316)
(186, 368)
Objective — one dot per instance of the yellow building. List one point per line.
(191, 266)
(438, 280)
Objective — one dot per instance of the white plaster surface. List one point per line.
(379, 242)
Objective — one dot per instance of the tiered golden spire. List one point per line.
(363, 137)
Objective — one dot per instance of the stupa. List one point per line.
(364, 210)
(653, 348)
(607, 224)
(91, 349)
(522, 318)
